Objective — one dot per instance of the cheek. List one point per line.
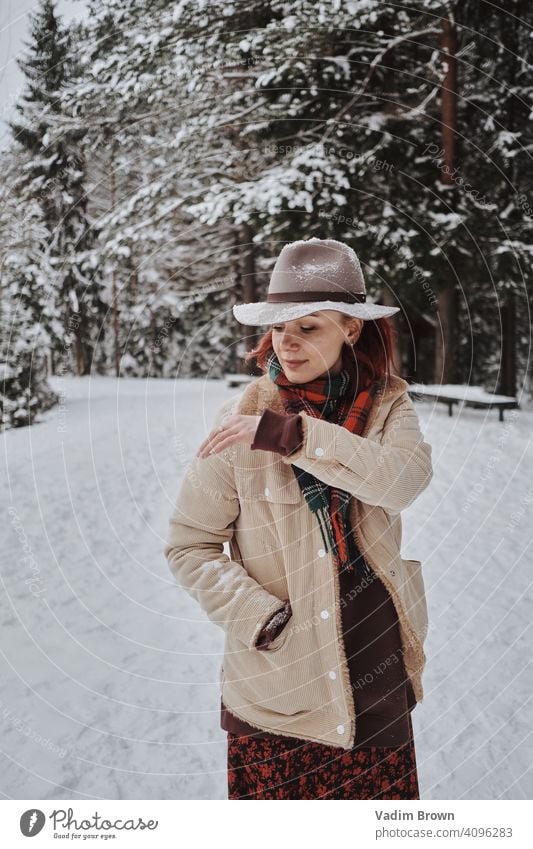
(320, 344)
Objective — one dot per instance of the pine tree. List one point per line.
(495, 160)
(28, 316)
(55, 175)
(131, 98)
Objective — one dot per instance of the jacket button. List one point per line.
(319, 452)
(324, 614)
(392, 572)
(321, 552)
(332, 674)
(340, 729)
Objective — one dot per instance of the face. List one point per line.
(311, 346)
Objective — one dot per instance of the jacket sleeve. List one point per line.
(201, 522)
(390, 473)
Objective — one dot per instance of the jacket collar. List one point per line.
(262, 393)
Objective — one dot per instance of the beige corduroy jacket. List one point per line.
(251, 500)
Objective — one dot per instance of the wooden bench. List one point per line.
(238, 379)
(470, 396)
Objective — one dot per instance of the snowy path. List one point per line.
(109, 671)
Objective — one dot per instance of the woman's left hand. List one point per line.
(236, 428)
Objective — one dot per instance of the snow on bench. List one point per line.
(471, 396)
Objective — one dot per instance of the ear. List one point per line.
(354, 328)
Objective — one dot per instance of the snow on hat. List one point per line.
(312, 275)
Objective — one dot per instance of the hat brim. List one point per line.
(263, 312)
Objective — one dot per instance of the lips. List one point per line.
(294, 363)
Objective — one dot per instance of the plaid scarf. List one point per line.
(336, 399)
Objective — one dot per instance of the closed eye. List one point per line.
(305, 329)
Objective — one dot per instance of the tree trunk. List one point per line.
(116, 344)
(80, 357)
(114, 292)
(79, 324)
(507, 384)
(238, 362)
(447, 301)
(445, 362)
(388, 300)
(248, 288)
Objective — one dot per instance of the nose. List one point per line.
(289, 341)
(289, 346)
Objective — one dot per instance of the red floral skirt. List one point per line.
(279, 767)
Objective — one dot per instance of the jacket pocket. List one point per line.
(275, 484)
(414, 593)
(275, 681)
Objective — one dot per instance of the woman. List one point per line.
(305, 475)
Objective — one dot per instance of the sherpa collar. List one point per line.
(262, 393)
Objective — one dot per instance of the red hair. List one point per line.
(373, 350)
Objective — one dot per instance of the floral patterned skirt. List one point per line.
(279, 767)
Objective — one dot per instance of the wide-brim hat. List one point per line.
(312, 275)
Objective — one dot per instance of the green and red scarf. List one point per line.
(335, 398)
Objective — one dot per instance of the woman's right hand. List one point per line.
(236, 428)
(274, 627)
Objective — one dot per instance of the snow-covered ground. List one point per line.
(109, 670)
